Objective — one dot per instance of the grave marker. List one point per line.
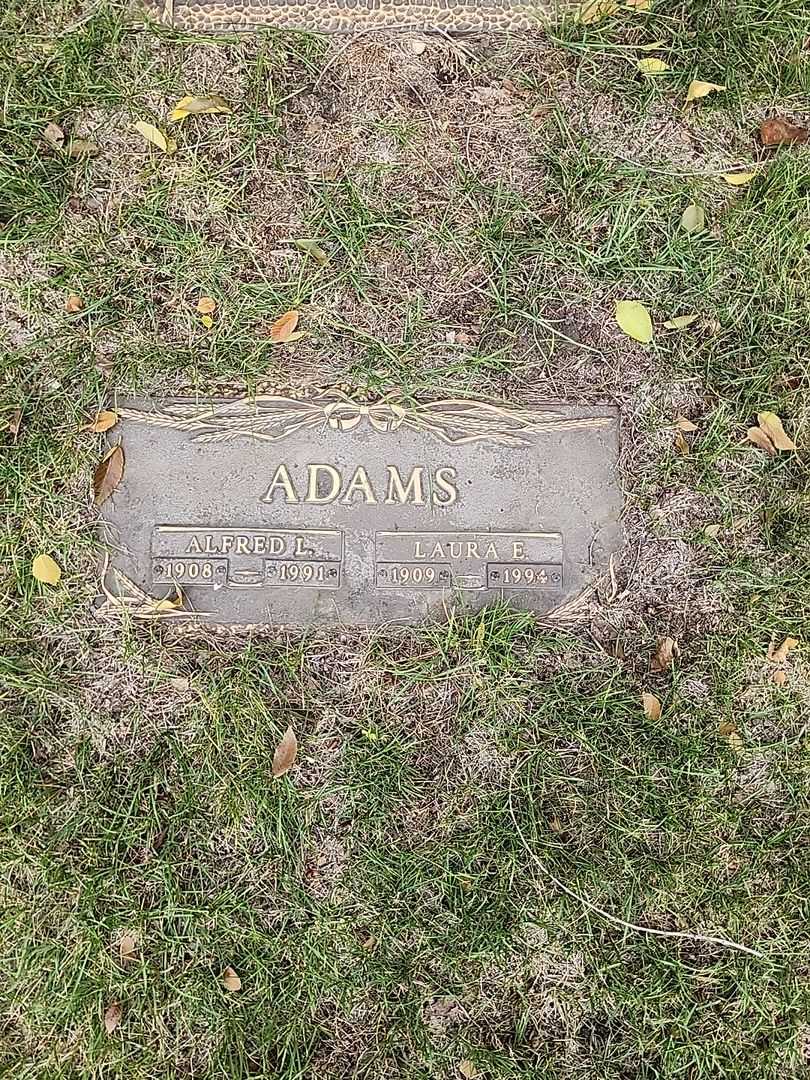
(324, 510)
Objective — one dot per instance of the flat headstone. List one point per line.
(322, 510)
(212, 16)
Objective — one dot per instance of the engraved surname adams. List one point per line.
(324, 484)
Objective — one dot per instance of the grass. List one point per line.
(384, 905)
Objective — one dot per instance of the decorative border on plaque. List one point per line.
(271, 417)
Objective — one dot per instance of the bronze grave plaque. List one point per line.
(323, 510)
(212, 16)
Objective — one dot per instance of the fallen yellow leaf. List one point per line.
(595, 10)
(693, 219)
(698, 89)
(82, 148)
(155, 136)
(313, 248)
(772, 426)
(680, 322)
(728, 730)
(230, 980)
(738, 179)
(170, 603)
(195, 106)
(651, 65)
(207, 321)
(779, 655)
(635, 320)
(46, 570)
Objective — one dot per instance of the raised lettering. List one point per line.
(314, 472)
(518, 549)
(281, 479)
(399, 492)
(194, 546)
(359, 482)
(445, 485)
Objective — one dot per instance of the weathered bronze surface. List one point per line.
(324, 510)
(213, 16)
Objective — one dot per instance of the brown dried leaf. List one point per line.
(652, 706)
(112, 1016)
(779, 654)
(713, 531)
(82, 148)
(206, 305)
(772, 426)
(73, 304)
(14, 423)
(665, 654)
(778, 130)
(284, 327)
(758, 437)
(467, 1069)
(780, 676)
(556, 825)
(681, 445)
(102, 421)
(230, 980)
(108, 474)
(286, 751)
(127, 948)
(53, 136)
(684, 424)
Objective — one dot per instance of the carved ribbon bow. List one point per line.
(345, 415)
